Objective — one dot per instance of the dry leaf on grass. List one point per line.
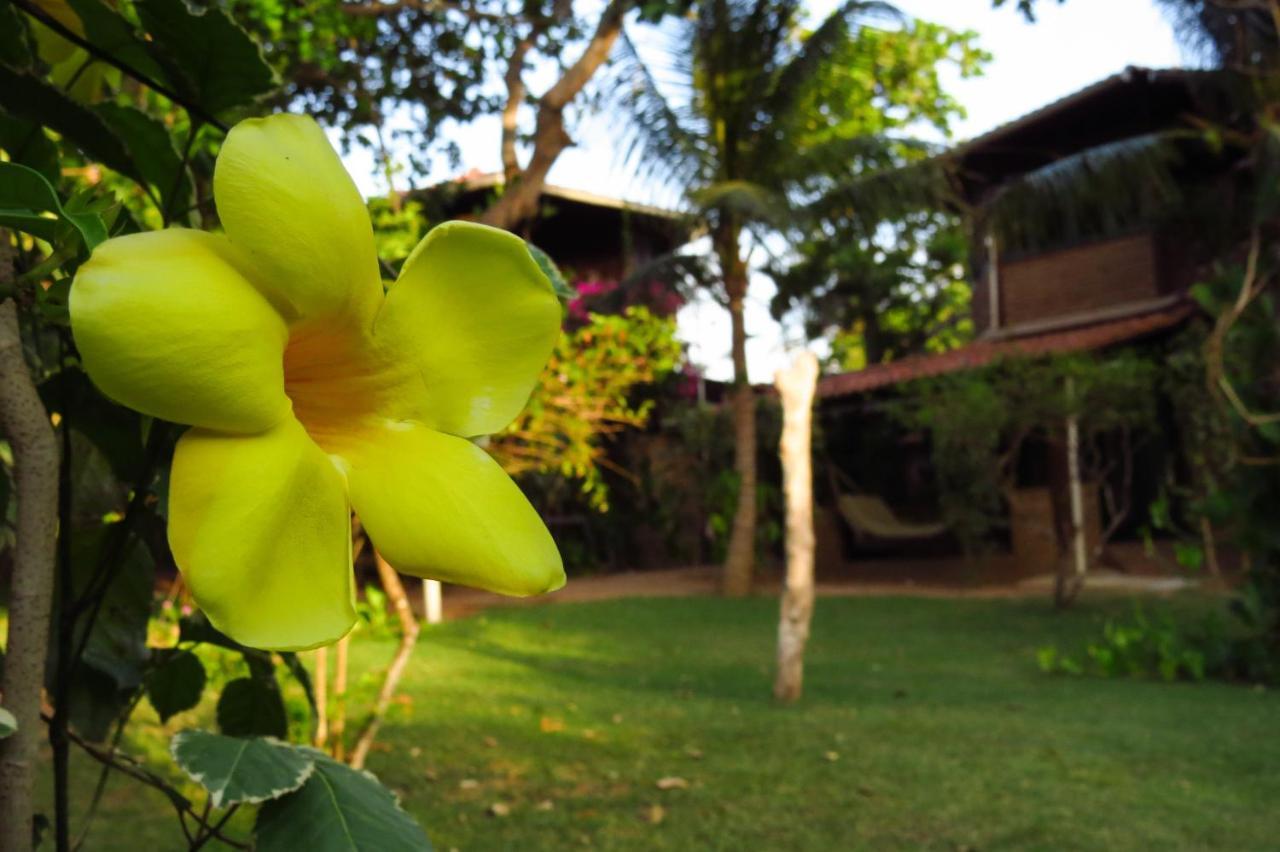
(672, 782)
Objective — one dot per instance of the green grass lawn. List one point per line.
(925, 725)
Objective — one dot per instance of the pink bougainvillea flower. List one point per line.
(311, 393)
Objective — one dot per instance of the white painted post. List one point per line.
(1078, 544)
(433, 601)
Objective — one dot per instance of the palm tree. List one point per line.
(732, 130)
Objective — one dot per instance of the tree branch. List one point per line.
(135, 770)
(408, 638)
(35, 460)
(378, 9)
(520, 200)
(516, 90)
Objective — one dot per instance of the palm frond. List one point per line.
(688, 274)
(1097, 192)
(873, 195)
(820, 48)
(742, 200)
(658, 141)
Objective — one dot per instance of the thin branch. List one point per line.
(378, 9)
(215, 829)
(516, 91)
(408, 638)
(101, 786)
(92, 49)
(177, 176)
(135, 770)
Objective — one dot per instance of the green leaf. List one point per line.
(152, 149)
(548, 266)
(15, 45)
(176, 685)
(114, 430)
(238, 770)
(25, 194)
(118, 645)
(221, 66)
(27, 97)
(27, 144)
(116, 37)
(339, 809)
(8, 724)
(252, 707)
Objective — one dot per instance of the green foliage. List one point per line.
(210, 58)
(176, 684)
(251, 706)
(32, 205)
(588, 392)
(238, 770)
(899, 289)
(398, 226)
(27, 97)
(978, 421)
(1144, 646)
(338, 809)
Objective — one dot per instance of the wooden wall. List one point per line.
(1079, 279)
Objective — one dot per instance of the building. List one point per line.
(590, 237)
(1071, 273)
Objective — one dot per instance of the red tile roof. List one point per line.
(983, 352)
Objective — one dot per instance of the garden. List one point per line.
(356, 498)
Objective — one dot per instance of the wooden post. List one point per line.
(796, 386)
(433, 601)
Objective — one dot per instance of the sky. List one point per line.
(1069, 47)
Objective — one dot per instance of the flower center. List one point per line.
(336, 381)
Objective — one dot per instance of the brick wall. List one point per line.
(1078, 279)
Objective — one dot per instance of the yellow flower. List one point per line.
(311, 393)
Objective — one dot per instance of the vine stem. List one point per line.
(35, 456)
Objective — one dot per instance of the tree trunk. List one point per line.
(796, 386)
(740, 563)
(35, 459)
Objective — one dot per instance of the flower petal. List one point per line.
(261, 529)
(287, 202)
(438, 506)
(166, 323)
(479, 319)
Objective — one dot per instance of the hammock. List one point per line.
(869, 516)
